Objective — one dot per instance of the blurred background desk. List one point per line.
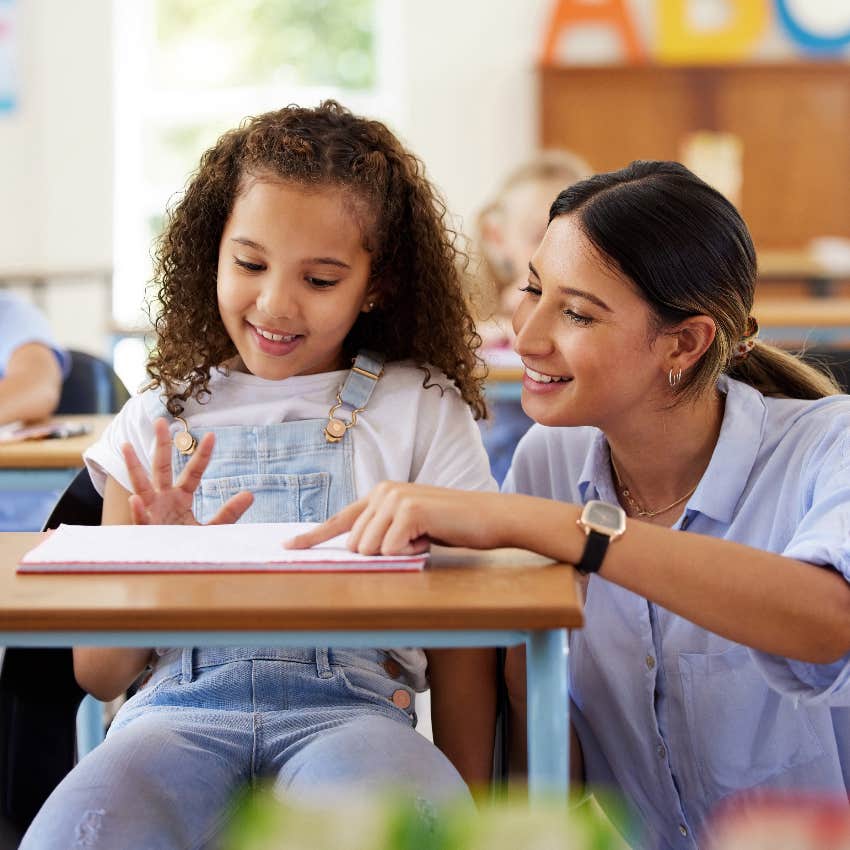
(790, 267)
(795, 321)
(37, 279)
(37, 471)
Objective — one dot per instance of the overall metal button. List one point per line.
(401, 698)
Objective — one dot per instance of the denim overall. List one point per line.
(320, 722)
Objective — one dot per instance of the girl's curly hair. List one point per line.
(417, 267)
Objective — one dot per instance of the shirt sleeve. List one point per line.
(822, 537)
(134, 425)
(21, 323)
(448, 450)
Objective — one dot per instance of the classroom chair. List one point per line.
(91, 386)
(39, 697)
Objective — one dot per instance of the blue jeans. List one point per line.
(210, 721)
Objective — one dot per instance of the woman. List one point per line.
(712, 661)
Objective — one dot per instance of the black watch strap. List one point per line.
(594, 552)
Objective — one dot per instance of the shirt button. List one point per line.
(662, 751)
(650, 662)
(684, 830)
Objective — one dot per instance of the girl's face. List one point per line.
(293, 276)
(584, 325)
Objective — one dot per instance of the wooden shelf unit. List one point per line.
(793, 120)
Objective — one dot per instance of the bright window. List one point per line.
(187, 70)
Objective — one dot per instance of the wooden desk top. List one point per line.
(462, 589)
(53, 454)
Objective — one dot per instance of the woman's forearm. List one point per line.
(760, 599)
(756, 598)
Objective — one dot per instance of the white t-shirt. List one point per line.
(406, 433)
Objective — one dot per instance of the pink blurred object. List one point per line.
(776, 821)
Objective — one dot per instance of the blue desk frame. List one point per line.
(546, 662)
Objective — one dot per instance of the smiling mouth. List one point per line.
(540, 378)
(274, 337)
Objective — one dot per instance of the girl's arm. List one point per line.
(765, 601)
(463, 709)
(107, 672)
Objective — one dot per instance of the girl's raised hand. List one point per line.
(404, 519)
(159, 500)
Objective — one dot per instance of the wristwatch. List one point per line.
(603, 524)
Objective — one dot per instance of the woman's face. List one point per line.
(585, 336)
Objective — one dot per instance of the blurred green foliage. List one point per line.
(210, 44)
(263, 822)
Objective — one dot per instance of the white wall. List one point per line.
(56, 158)
(470, 96)
(56, 163)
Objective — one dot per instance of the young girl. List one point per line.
(714, 475)
(308, 239)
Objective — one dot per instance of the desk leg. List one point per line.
(89, 725)
(548, 709)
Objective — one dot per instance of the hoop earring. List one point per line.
(673, 378)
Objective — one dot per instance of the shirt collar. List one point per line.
(728, 471)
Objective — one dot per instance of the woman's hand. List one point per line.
(404, 519)
(159, 500)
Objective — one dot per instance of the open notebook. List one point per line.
(248, 547)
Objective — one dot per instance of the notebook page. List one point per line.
(240, 546)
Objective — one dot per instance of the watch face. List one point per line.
(602, 514)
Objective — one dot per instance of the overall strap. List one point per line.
(355, 393)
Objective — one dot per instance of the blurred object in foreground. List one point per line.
(264, 823)
(716, 158)
(782, 822)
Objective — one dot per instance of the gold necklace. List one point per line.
(639, 510)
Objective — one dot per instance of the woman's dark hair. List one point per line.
(689, 252)
(417, 267)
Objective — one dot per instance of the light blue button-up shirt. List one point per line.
(671, 716)
(21, 323)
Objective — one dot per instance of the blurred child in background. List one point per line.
(32, 366)
(31, 362)
(509, 229)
